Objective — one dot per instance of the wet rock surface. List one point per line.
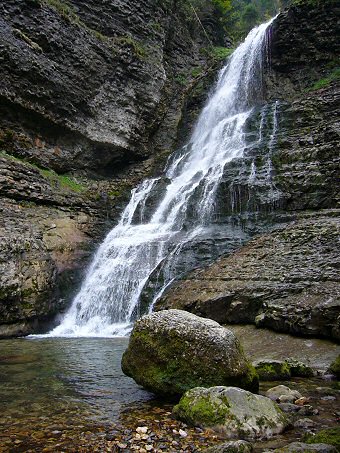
(172, 351)
(287, 281)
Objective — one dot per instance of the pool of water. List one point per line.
(42, 375)
(57, 392)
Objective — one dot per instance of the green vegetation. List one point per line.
(238, 17)
(329, 436)
(137, 48)
(245, 14)
(335, 367)
(221, 53)
(202, 409)
(326, 81)
(181, 79)
(56, 180)
(272, 371)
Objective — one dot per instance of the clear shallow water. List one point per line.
(39, 376)
(59, 393)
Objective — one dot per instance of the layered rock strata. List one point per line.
(287, 279)
(91, 98)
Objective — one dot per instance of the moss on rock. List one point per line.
(235, 412)
(335, 367)
(173, 351)
(272, 370)
(330, 436)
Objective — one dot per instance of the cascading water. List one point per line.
(109, 298)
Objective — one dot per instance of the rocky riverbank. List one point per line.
(175, 353)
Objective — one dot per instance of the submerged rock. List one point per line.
(172, 351)
(233, 411)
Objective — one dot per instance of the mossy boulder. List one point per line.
(335, 367)
(276, 370)
(235, 412)
(173, 351)
(272, 370)
(299, 369)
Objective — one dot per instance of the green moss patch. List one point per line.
(202, 410)
(60, 181)
(326, 81)
(329, 436)
(335, 367)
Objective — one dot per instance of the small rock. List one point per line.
(142, 429)
(308, 410)
(301, 401)
(182, 433)
(283, 394)
(289, 407)
(305, 423)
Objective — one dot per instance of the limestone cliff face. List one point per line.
(91, 96)
(287, 279)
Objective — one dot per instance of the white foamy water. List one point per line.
(108, 300)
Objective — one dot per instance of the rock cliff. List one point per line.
(287, 279)
(91, 97)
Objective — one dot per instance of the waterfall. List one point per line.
(153, 236)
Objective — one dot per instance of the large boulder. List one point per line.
(172, 351)
(235, 412)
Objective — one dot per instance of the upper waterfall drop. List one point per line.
(145, 238)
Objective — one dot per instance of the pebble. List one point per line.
(142, 429)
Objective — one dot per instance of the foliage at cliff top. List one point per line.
(238, 17)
